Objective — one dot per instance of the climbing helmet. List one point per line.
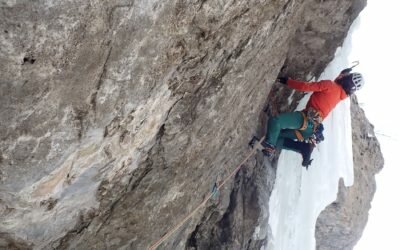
(358, 81)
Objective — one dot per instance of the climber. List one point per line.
(300, 131)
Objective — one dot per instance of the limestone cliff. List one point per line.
(341, 224)
(117, 117)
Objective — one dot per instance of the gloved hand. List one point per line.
(283, 79)
(346, 71)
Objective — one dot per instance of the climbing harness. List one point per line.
(305, 121)
(299, 136)
(313, 116)
(209, 196)
(310, 116)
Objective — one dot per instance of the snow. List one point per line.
(299, 195)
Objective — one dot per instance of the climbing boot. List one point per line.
(305, 149)
(268, 150)
(263, 146)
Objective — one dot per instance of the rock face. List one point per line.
(117, 118)
(340, 225)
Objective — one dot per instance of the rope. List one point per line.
(183, 221)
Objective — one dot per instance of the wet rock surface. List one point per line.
(117, 117)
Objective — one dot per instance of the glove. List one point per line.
(283, 79)
(346, 71)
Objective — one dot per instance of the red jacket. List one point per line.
(326, 94)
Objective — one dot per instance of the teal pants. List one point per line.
(283, 126)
